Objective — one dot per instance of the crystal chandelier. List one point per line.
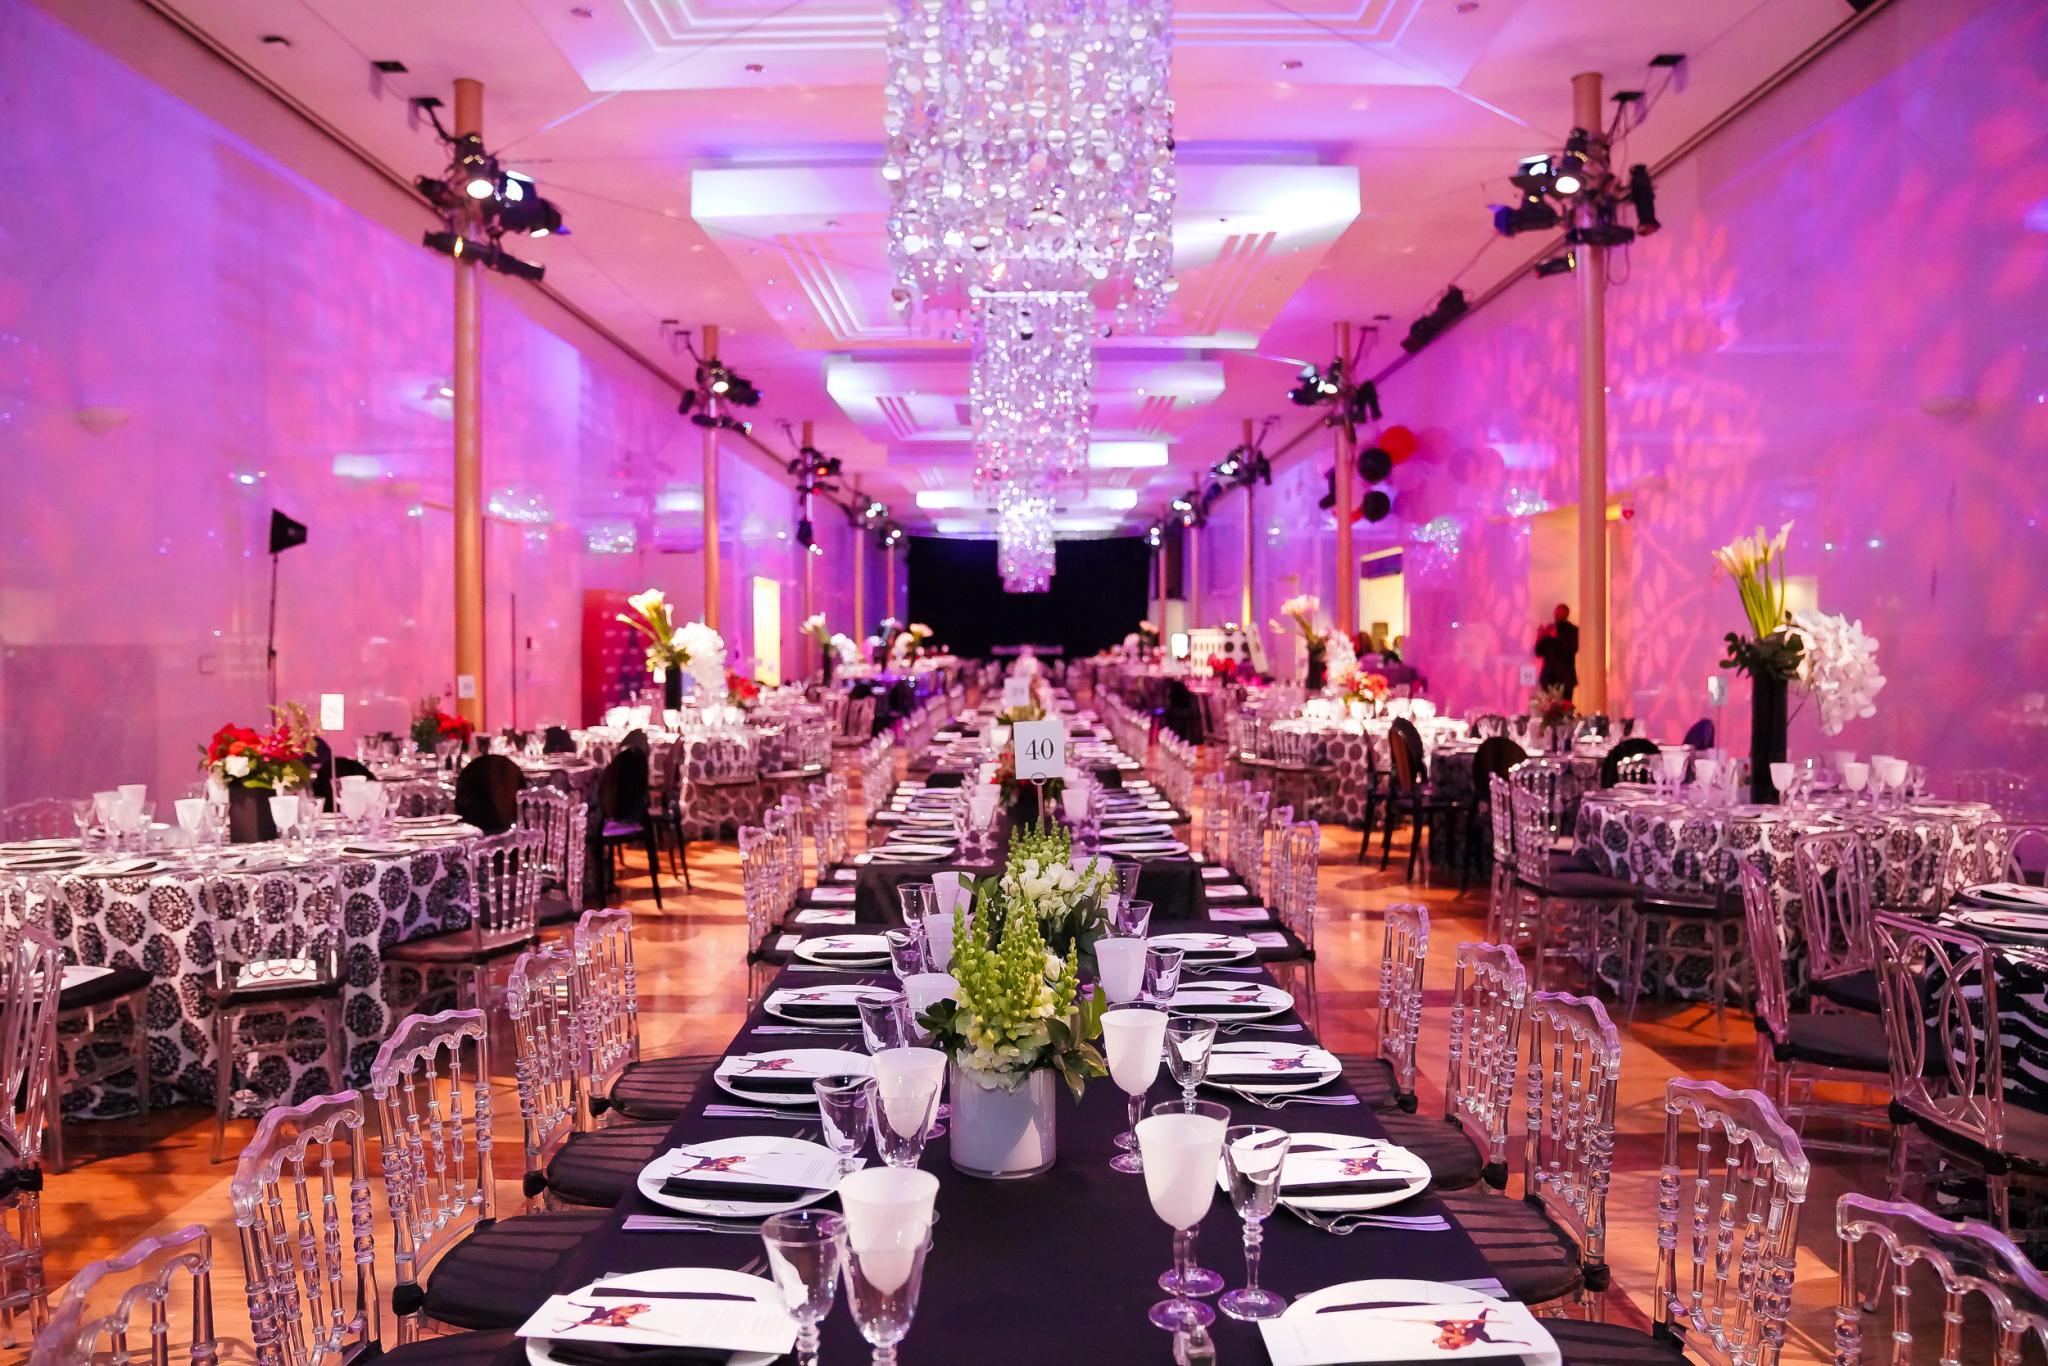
(1030, 147)
(1024, 546)
(1032, 388)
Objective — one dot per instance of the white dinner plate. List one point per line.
(829, 993)
(734, 1069)
(35, 846)
(1544, 1353)
(1206, 950)
(2025, 924)
(681, 1278)
(845, 950)
(1367, 1151)
(1248, 1001)
(1147, 848)
(1285, 1067)
(126, 867)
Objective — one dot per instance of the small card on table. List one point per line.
(722, 1324)
(1461, 1331)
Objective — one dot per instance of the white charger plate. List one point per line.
(707, 1278)
(1294, 1080)
(1545, 1353)
(1207, 950)
(1364, 1200)
(853, 951)
(825, 994)
(732, 1071)
(1272, 1001)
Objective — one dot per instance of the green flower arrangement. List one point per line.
(1019, 1008)
(1039, 875)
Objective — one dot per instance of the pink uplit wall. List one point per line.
(1840, 325)
(193, 332)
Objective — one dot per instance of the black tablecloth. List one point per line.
(1060, 1267)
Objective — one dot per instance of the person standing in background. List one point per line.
(1557, 645)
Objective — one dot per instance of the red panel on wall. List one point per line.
(614, 655)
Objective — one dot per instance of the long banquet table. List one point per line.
(1054, 1268)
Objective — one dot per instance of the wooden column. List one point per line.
(1591, 270)
(810, 589)
(1191, 569)
(1159, 587)
(860, 571)
(712, 407)
(1251, 516)
(469, 443)
(1346, 608)
(889, 582)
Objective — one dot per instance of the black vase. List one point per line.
(249, 819)
(672, 688)
(826, 660)
(1766, 736)
(1318, 664)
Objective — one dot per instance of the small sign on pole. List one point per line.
(1041, 750)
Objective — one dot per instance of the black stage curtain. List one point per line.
(1097, 597)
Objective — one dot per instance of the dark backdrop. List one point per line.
(1097, 597)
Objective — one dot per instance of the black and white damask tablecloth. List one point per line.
(162, 924)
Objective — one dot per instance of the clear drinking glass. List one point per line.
(1126, 871)
(1132, 1039)
(81, 816)
(1162, 974)
(1188, 1042)
(905, 1103)
(1132, 918)
(1181, 1148)
(882, 1283)
(806, 1249)
(918, 900)
(1252, 1158)
(906, 950)
(885, 1021)
(846, 1104)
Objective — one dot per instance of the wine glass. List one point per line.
(284, 814)
(1120, 968)
(1188, 1041)
(1181, 1148)
(918, 900)
(845, 1103)
(1781, 778)
(1162, 974)
(191, 816)
(906, 951)
(1133, 917)
(805, 1250)
(1132, 1038)
(82, 817)
(1126, 871)
(1252, 1158)
(883, 1276)
(906, 1101)
(885, 1020)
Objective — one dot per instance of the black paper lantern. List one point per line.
(1374, 464)
(1376, 506)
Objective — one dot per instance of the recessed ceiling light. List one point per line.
(388, 66)
(276, 40)
(755, 68)
(582, 11)
(1291, 64)
(1467, 6)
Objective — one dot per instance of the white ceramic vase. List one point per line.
(1003, 1135)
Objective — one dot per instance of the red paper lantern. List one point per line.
(1398, 442)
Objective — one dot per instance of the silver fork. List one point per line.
(1232, 1030)
(1282, 1102)
(1344, 1225)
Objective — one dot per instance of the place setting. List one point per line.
(833, 1004)
(853, 951)
(1200, 949)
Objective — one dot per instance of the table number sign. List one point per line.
(1041, 750)
(1016, 693)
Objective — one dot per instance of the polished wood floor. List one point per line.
(133, 1178)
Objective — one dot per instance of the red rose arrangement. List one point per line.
(277, 758)
(431, 725)
(740, 690)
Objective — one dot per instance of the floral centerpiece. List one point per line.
(431, 725)
(1837, 667)
(673, 650)
(1553, 712)
(1148, 634)
(919, 634)
(1039, 874)
(741, 691)
(814, 627)
(1339, 660)
(252, 765)
(1302, 609)
(899, 650)
(1770, 655)
(842, 649)
(1360, 688)
(1017, 1020)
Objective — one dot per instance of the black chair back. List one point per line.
(1495, 756)
(345, 767)
(1404, 745)
(487, 793)
(622, 788)
(1610, 767)
(637, 740)
(558, 741)
(1701, 734)
(323, 771)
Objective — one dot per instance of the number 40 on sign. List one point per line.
(1041, 749)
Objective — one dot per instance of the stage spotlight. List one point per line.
(1365, 403)
(1571, 175)
(1557, 265)
(1182, 503)
(1532, 176)
(1642, 196)
(530, 214)
(451, 244)
(1435, 321)
(1533, 214)
(1329, 498)
(505, 263)
(687, 402)
(805, 535)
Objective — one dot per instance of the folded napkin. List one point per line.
(1196, 1005)
(1253, 915)
(825, 915)
(1233, 889)
(741, 1192)
(832, 895)
(820, 1010)
(770, 1083)
(633, 1354)
(1214, 874)
(2016, 894)
(1264, 939)
(1370, 1185)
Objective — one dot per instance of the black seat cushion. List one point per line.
(456, 947)
(1454, 1161)
(1611, 1344)
(1837, 1041)
(259, 992)
(111, 986)
(1578, 886)
(1851, 991)
(557, 907)
(500, 1274)
(1373, 1080)
(597, 1168)
(1530, 1256)
(659, 1088)
(453, 1349)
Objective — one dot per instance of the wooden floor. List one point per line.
(129, 1179)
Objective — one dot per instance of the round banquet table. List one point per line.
(1673, 844)
(161, 923)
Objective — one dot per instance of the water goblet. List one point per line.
(918, 900)
(309, 817)
(845, 1103)
(1192, 1278)
(191, 817)
(1125, 871)
(885, 1020)
(1781, 778)
(1855, 777)
(1162, 974)
(1252, 1158)
(906, 951)
(284, 814)
(907, 1086)
(1188, 1042)
(82, 816)
(1132, 1038)
(1120, 968)
(883, 1277)
(1133, 917)
(1181, 1148)
(806, 1248)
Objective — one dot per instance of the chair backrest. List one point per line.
(1837, 880)
(607, 997)
(1404, 751)
(1495, 758)
(2000, 851)
(1968, 1258)
(1298, 854)
(1999, 788)
(1488, 1000)
(277, 926)
(431, 1082)
(1700, 734)
(547, 1058)
(557, 740)
(622, 788)
(1568, 1152)
(1501, 811)
(487, 792)
(43, 818)
(505, 872)
(1728, 1200)
(31, 975)
(561, 826)
(1537, 802)
(1404, 952)
(1766, 943)
(1635, 747)
(312, 1285)
(123, 1309)
(1488, 724)
(1940, 988)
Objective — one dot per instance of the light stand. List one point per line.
(284, 534)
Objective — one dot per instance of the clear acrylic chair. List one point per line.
(504, 875)
(1404, 954)
(31, 974)
(2000, 851)
(153, 1303)
(561, 828)
(1837, 875)
(1970, 1261)
(1571, 906)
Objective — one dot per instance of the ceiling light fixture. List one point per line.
(476, 192)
